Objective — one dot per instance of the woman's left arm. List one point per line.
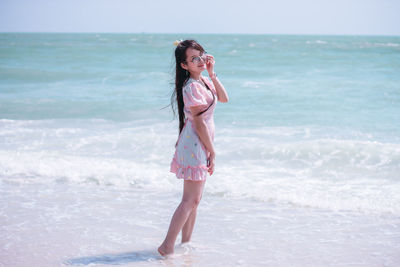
(221, 92)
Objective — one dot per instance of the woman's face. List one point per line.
(195, 61)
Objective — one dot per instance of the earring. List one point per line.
(186, 72)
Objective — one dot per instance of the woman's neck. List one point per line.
(195, 76)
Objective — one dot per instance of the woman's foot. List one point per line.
(164, 251)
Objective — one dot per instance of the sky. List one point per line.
(326, 17)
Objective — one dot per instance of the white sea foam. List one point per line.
(378, 44)
(387, 44)
(316, 42)
(284, 165)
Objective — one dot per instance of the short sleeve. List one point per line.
(193, 95)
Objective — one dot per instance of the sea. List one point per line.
(312, 125)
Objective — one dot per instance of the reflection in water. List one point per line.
(182, 257)
(137, 256)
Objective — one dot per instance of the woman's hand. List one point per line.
(210, 64)
(210, 162)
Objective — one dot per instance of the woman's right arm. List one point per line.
(202, 131)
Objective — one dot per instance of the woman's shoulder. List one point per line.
(204, 80)
(188, 82)
(192, 84)
(191, 81)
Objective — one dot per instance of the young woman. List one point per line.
(194, 155)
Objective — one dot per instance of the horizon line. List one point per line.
(187, 33)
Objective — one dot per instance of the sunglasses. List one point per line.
(196, 60)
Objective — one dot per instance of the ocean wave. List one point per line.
(378, 44)
(277, 164)
(277, 185)
(55, 167)
(316, 42)
(328, 158)
(387, 44)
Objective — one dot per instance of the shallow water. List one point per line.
(65, 225)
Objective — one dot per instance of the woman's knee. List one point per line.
(192, 193)
(191, 203)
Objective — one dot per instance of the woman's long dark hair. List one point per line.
(181, 78)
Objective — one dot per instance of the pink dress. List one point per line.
(190, 158)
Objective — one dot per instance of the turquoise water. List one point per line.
(273, 80)
(305, 112)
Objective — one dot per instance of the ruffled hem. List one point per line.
(192, 173)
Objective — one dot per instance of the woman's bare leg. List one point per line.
(188, 226)
(192, 192)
